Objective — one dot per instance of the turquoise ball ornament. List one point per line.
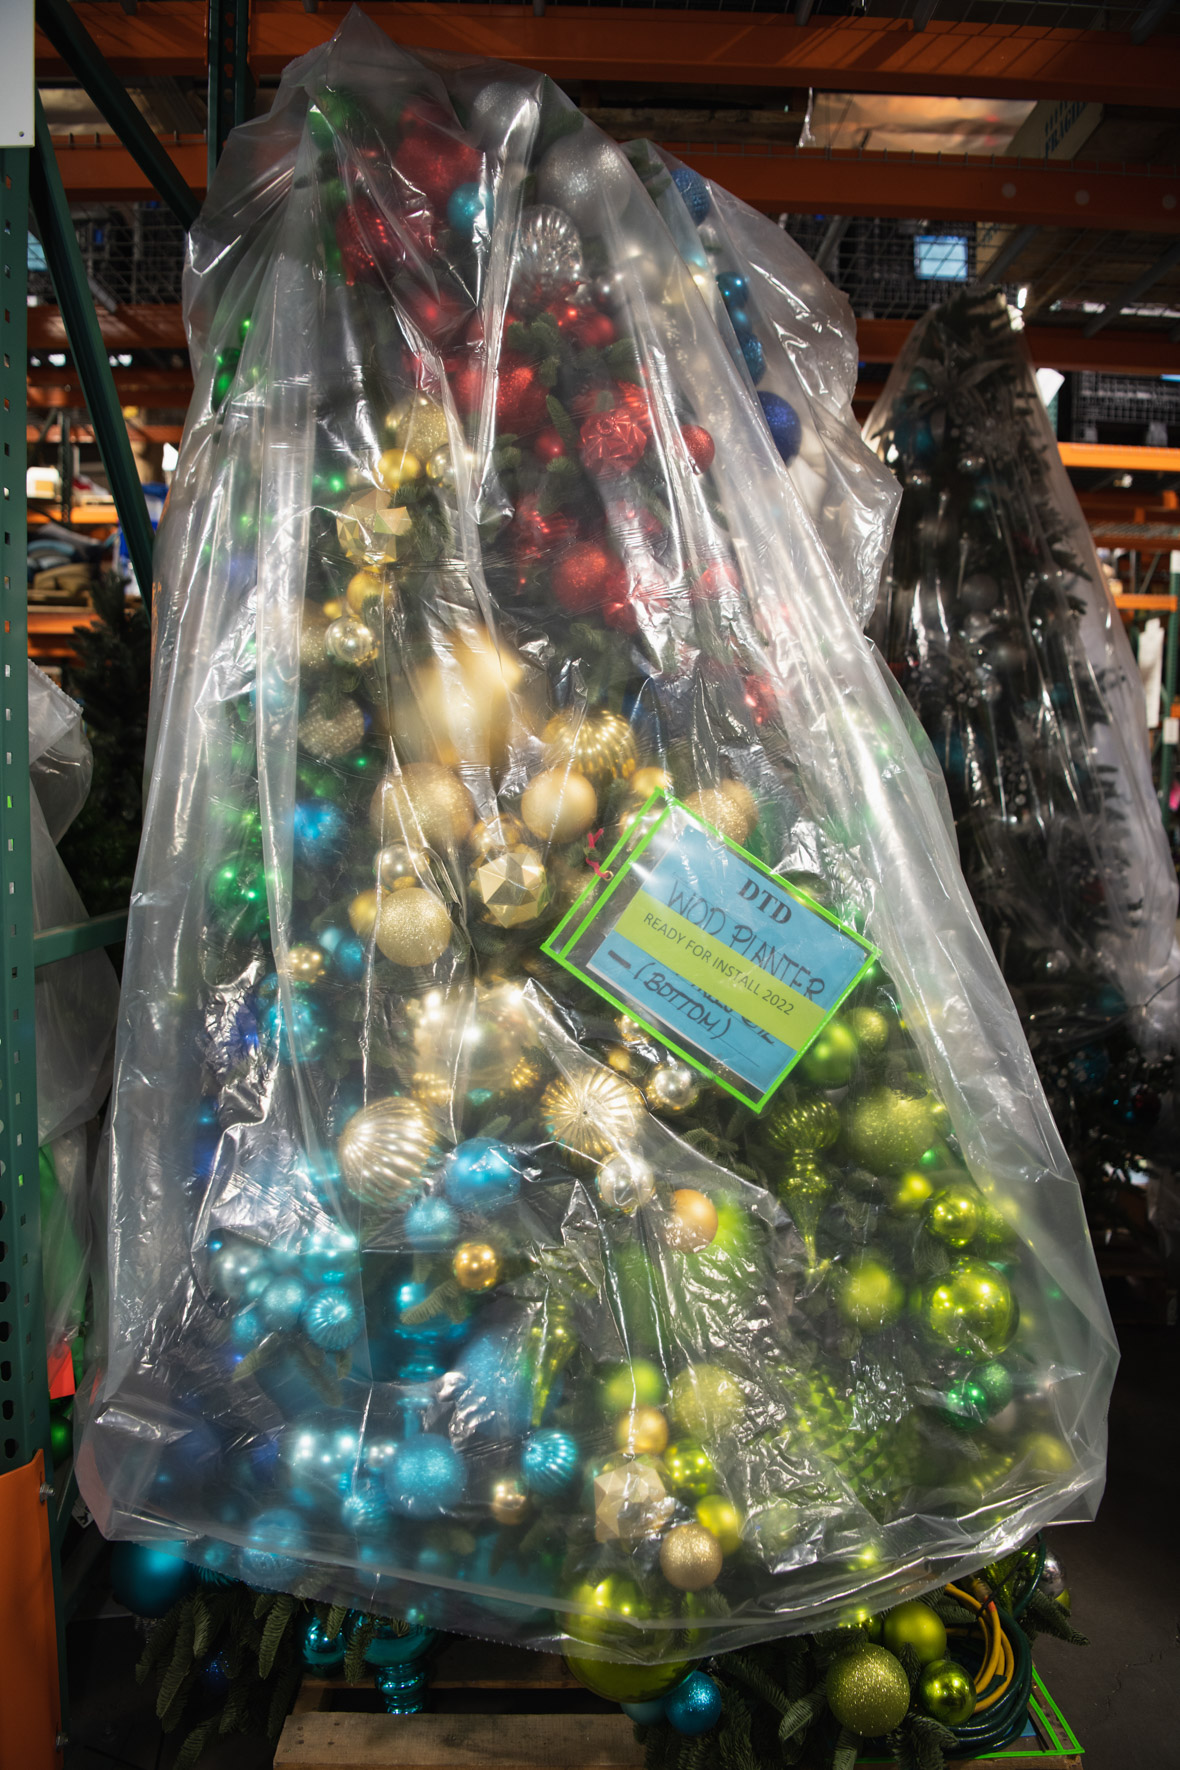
(303, 1034)
(427, 1478)
(232, 1268)
(436, 1331)
(466, 205)
(247, 1329)
(364, 1509)
(277, 1540)
(694, 1706)
(282, 1302)
(431, 1224)
(782, 421)
(734, 287)
(149, 1579)
(644, 1714)
(320, 832)
(347, 953)
(549, 1462)
(481, 1175)
(755, 357)
(694, 190)
(319, 1652)
(331, 1320)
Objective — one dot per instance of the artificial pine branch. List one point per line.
(1043, 1616)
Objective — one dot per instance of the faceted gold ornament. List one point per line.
(369, 526)
(598, 745)
(332, 727)
(592, 1114)
(350, 642)
(511, 889)
(385, 1149)
(630, 1502)
(424, 804)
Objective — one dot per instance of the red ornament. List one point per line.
(370, 250)
(521, 398)
(435, 315)
(715, 580)
(589, 577)
(612, 442)
(434, 162)
(700, 447)
(594, 330)
(758, 696)
(466, 383)
(621, 614)
(535, 536)
(635, 399)
(548, 446)
(633, 526)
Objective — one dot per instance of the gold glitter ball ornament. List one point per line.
(630, 1503)
(400, 868)
(509, 1501)
(305, 964)
(511, 889)
(599, 745)
(418, 423)
(672, 1088)
(625, 1182)
(385, 1149)
(715, 807)
(559, 805)
(743, 801)
(592, 1114)
(369, 526)
(313, 650)
(868, 1691)
(413, 927)
(351, 642)
(691, 1558)
(476, 1266)
(643, 1431)
(332, 727)
(424, 804)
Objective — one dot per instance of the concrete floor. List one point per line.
(1121, 1695)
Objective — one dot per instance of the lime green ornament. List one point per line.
(954, 1215)
(691, 1474)
(995, 1381)
(914, 1624)
(887, 1131)
(910, 1193)
(627, 1386)
(804, 1189)
(801, 1126)
(870, 1295)
(626, 1683)
(225, 372)
(946, 1692)
(831, 1058)
(971, 1309)
(707, 1401)
(867, 1691)
(871, 1030)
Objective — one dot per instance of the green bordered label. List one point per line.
(716, 956)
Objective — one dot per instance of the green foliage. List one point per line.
(1044, 1616)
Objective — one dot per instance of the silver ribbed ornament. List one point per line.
(548, 258)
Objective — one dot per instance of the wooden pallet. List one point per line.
(335, 1726)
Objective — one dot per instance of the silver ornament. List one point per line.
(349, 641)
(587, 176)
(1052, 1576)
(672, 1087)
(548, 258)
(625, 1182)
(498, 109)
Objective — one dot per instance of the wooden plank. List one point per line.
(458, 1742)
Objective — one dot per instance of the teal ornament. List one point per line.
(469, 210)
(391, 1647)
(436, 1331)
(320, 1652)
(329, 1256)
(331, 1320)
(277, 1541)
(428, 1477)
(247, 1329)
(282, 1302)
(315, 1455)
(349, 955)
(549, 1462)
(365, 1509)
(739, 319)
(301, 1037)
(494, 1397)
(694, 1706)
(148, 1579)
(481, 1175)
(320, 832)
(755, 357)
(995, 1381)
(782, 421)
(734, 287)
(694, 190)
(431, 1224)
(232, 1267)
(402, 1689)
(644, 1714)
(965, 1406)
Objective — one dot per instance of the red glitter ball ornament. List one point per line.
(700, 446)
(612, 442)
(715, 580)
(588, 578)
(548, 446)
(536, 536)
(434, 162)
(370, 251)
(521, 399)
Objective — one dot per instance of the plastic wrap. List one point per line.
(997, 620)
(439, 1285)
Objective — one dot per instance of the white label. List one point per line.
(16, 73)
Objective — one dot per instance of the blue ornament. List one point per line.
(782, 421)
(277, 1540)
(437, 1330)
(388, 1648)
(232, 1267)
(549, 1461)
(148, 1580)
(755, 357)
(644, 1714)
(740, 321)
(428, 1476)
(320, 832)
(734, 287)
(331, 1320)
(694, 1706)
(349, 955)
(465, 207)
(365, 1509)
(213, 1679)
(282, 1302)
(694, 190)
(481, 1175)
(206, 1139)
(319, 1652)
(247, 1329)
(215, 1565)
(431, 1223)
(495, 1393)
(306, 1035)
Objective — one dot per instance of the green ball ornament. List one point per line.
(61, 1438)
(867, 1691)
(971, 1309)
(691, 1474)
(871, 1030)
(965, 1406)
(914, 1624)
(888, 1132)
(831, 1058)
(870, 1295)
(801, 1126)
(638, 1384)
(995, 1381)
(953, 1216)
(946, 1692)
(626, 1683)
(237, 898)
(707, 1402)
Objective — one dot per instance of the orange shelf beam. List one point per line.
(1120, 458)
(950, 59)
(1133, 603)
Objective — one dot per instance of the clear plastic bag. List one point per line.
(996, 618)
(438, 1284)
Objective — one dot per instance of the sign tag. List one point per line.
(716, 956)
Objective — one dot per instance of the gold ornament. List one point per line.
(713, 806)
(692, 1223)
(592, 1114)
(707, 1402)
(801, 1125)
(313, 652)
(630, 1502)
(397, 467)
(509, 1502)
(418, 423)
(559, 805)
(460, 707)
(672, 1088)
(385, 1149)
(476, 1266)
(331, 727)
(350, 642)
(362, 913)
(366, 588)
(305, 964)
(743, 801)
(413, 927)
(722, 1517)
(642, 1432)
(424, 804)
(369, 526)
(512, 889)
(691, 1558)
(400, 868)
(479, 1044)
(625, 1182)
(332, 609)
(626, 1061)
(497, 834)
(598, 745)
(646, 781)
